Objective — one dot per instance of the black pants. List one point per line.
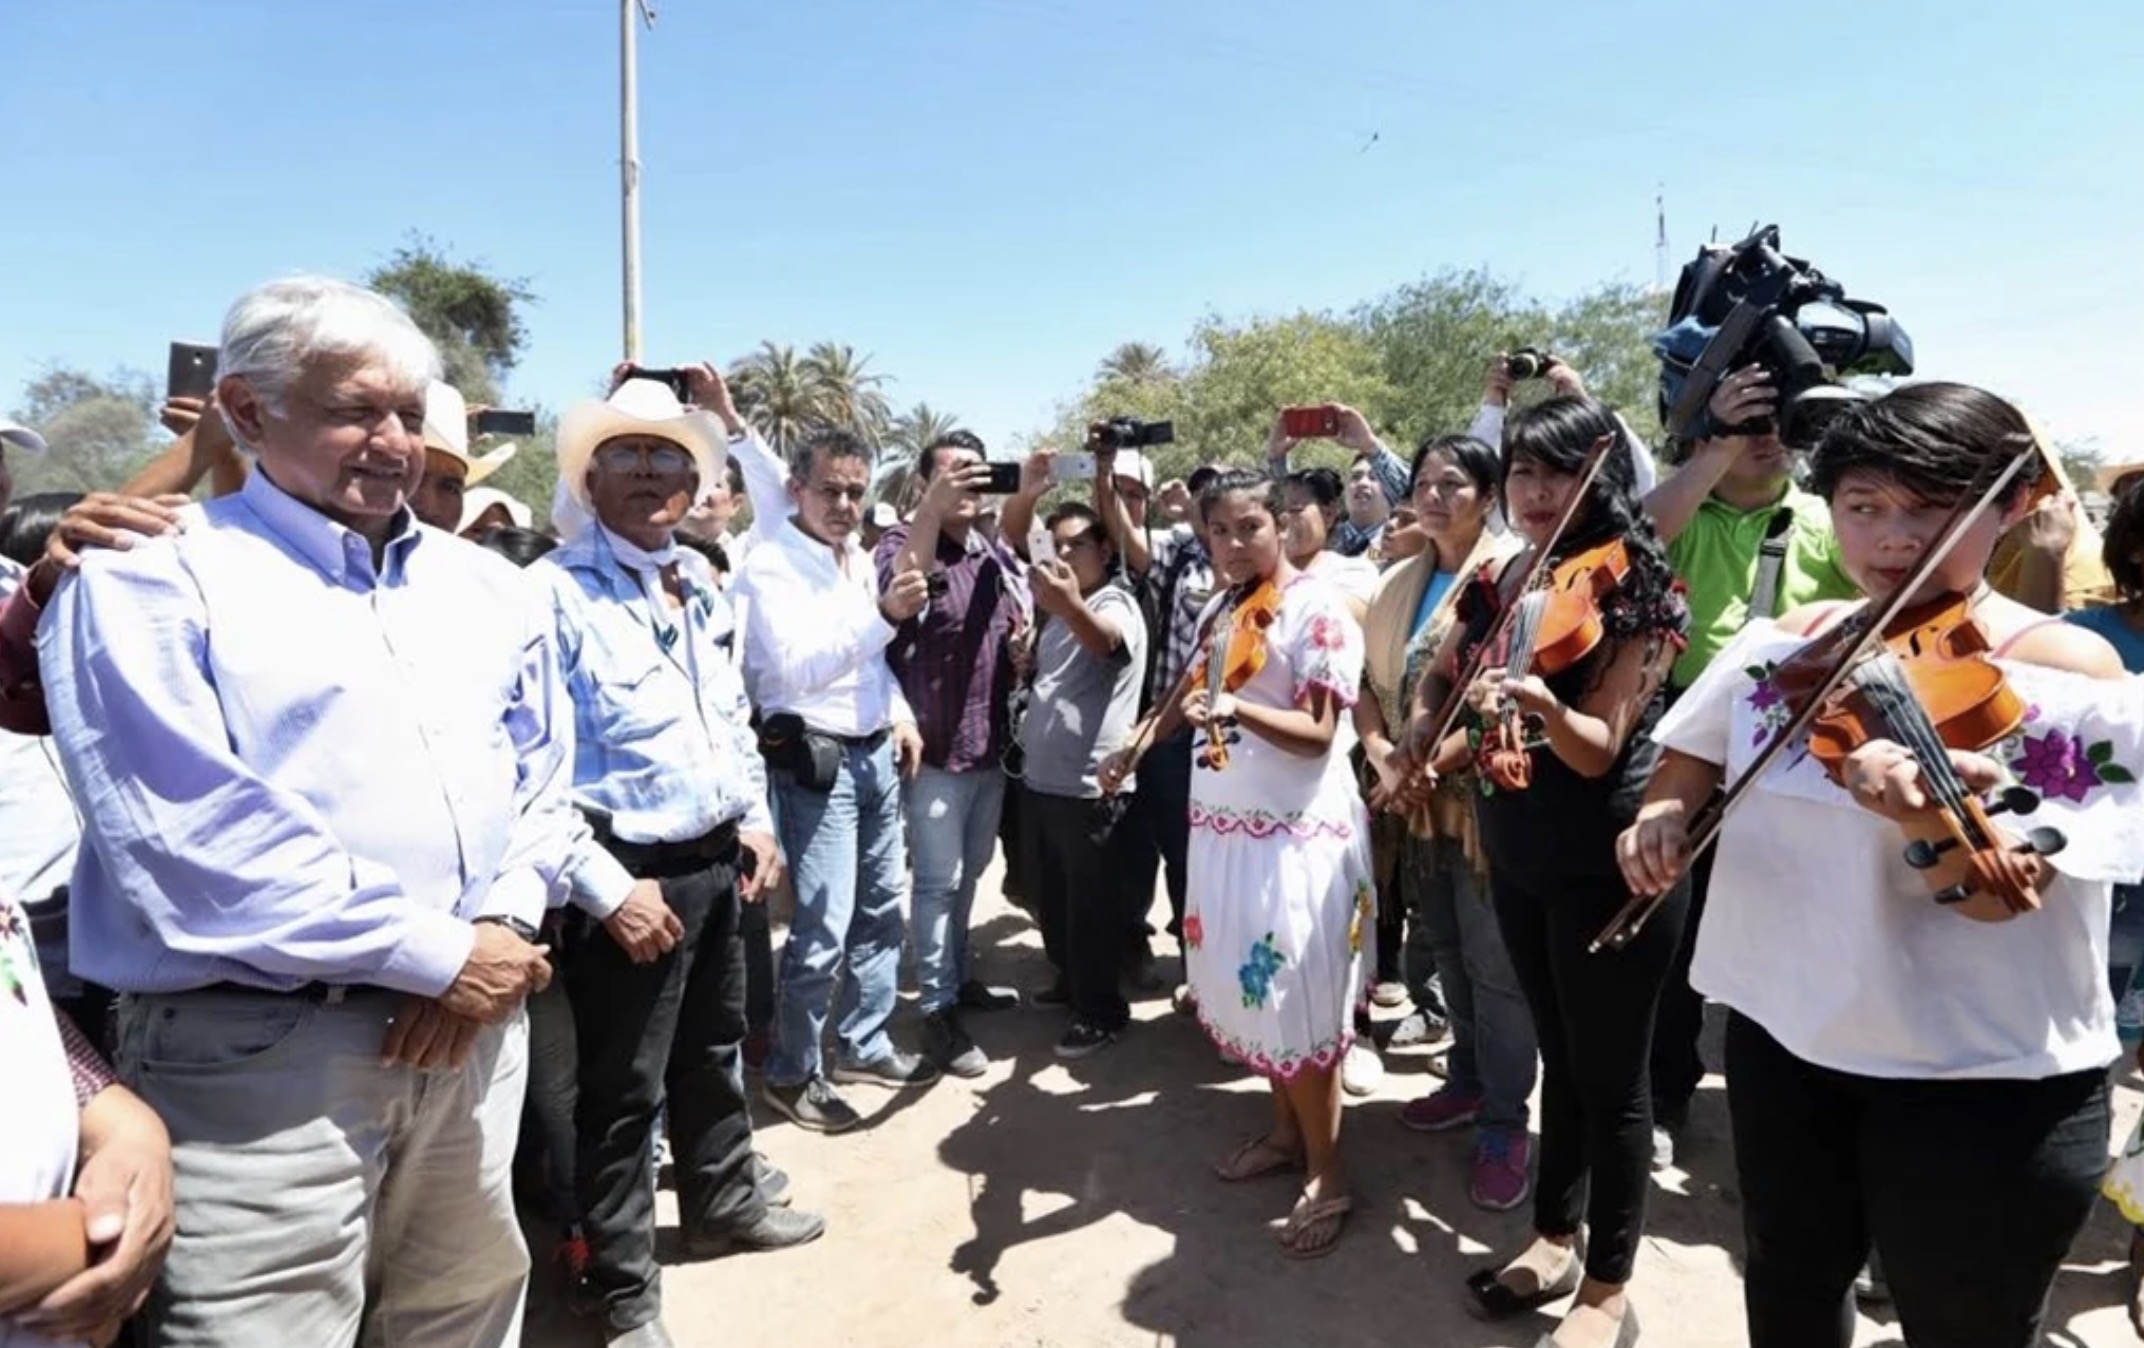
(758, 967)
(663, 1034)
(1593, 1015)
(1678, 1066)
(1079, 897)
(1158, 837)
(1971, 1190)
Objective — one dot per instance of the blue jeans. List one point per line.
(952, 830)
(1493, 1045)
(848, 865)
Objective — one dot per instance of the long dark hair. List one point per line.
(1558, 433)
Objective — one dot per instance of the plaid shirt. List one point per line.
(954, 658)
(1180, 562)
(663, 742)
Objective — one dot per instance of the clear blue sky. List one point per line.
(987, 195)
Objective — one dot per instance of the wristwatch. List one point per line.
(512, 924)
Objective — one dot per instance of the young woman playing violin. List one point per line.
(1563, 758)
(1908, 916)
(1278, 923)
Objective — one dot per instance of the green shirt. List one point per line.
(1716, 556)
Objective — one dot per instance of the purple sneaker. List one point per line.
(1445, 1108)
(1500, 1181)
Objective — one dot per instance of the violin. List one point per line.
(1556, 624)
(1225, 668)
(1909, 673)
(1509, 755)
(1931, 686)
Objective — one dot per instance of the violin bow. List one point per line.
(1144, 740)
(1624, 927)
(1455, 701)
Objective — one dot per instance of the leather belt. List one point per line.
(656, 860)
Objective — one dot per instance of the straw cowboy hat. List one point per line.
(481, 499)
(446, 429)
(639, 407)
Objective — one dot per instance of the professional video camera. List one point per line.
(1130, 433)
(1751, 304)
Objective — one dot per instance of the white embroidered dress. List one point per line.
(1279, 921)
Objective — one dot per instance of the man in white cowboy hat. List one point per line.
(314, 888)
(668, 771)
(489, 508)
(449, 468)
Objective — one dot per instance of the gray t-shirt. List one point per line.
(1082, 707)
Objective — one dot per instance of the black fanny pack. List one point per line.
(810, 756)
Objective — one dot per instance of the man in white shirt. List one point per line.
(834, 724)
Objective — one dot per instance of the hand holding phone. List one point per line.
(1004, 480)
(1311, 423)
(1077, 467)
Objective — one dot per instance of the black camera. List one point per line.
(1528, 363)
(1130, 433)
(1753, 305)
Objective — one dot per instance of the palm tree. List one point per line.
(1136, 363)
(846, 392)
(776, 392)
(920, 425)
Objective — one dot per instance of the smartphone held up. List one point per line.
(192, 373)
(1311, 423)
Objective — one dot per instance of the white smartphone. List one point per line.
(1074, 467)
(1040, 546)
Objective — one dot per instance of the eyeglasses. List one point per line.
(661, 458)
(834, 496)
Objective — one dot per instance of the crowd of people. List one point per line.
(370, 852)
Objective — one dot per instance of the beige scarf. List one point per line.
(1392, 644)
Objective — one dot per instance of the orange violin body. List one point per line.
(1563, 627)
(1960, 700)
(1241, 642)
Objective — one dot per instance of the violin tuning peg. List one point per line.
(2017, 800)
(1923, 854)
(2043, 841)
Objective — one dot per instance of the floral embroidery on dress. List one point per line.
(1365, 898)
(1256, 974)
(1767, 701)
(1263, 824)
(2062, 768)
(1194, 931)
(14, 942)
(1326, 633)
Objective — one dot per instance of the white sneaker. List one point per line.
(1361, 1071)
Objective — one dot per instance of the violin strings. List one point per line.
(1883, 680)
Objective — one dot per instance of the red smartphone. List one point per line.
(1311, 423)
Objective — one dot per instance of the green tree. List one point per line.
(919, 426)
(99, 432)
(774, 393)
(846, 392)
(471, 315)
(1136, 363)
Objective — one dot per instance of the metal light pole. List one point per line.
(629, 163)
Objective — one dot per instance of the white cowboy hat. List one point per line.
(446, 429)
(21, 437)
(1132, 464)
(639, 407)
(480, 499)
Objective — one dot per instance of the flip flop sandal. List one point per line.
(1334, 1210)
(1490, 1299)
(1238, 1168)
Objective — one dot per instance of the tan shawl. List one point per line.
(1390, 645)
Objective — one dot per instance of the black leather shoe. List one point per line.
(778, 1229)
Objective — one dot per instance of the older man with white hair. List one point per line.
(667, 769)
(321, 762)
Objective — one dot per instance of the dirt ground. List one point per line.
(1055, 1205)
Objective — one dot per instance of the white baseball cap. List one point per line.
(21, 437)
(1134, 465)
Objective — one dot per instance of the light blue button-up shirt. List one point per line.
(294, 767)
(663, 742)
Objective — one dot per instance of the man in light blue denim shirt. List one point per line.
(667, 767)
(323, 766)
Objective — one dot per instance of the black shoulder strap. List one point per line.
(1771, 561)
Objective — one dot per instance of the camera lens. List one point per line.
(1525, 364)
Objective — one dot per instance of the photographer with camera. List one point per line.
(954, 661)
